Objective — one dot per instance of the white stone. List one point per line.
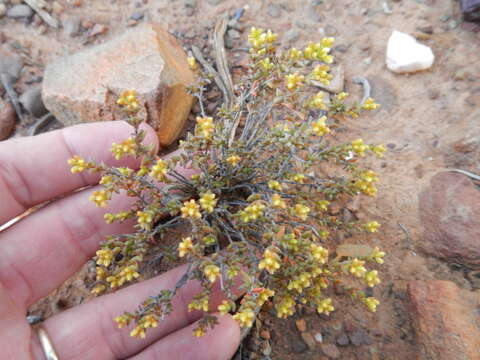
(405, 54)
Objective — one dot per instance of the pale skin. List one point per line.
(41, 251)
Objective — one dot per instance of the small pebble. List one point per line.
(7, 119)
(214, 2)
(301, 325)
(343, 340)
(330, 30)
(265, 334)
(291, 36)
(274, 11)
(98, 29)
(137, 16)
(233, 34)
(32, 101)
(190, 3)
(331, 351)
(71, 26)
(190, 34)
(318, 337)
(3, 9)
(309, 340)
(20, 11)
(360, 337)
(11, 65)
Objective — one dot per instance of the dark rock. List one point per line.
(343, 340)
(298, 345)
(7, 119)
(274, 11)
(20, 11)
(32, 101)
(360, 337)
(190, 3)
(471, 10)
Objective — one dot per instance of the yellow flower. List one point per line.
(191, 209)
(225, 307)
(370, 104)
(144, 219)
(325, 306)
(100, 197)
(205, 127)
(200, 304)
(359, 147)
(128, 273)
(342, 96)
(324, 234)
(371, 303)
(301, 211)
(128, 99)
(286, 307)
(379, 150)
(126, 147)
(300, 178)
(199, 332)
(234, 160)
(274, 185)
(264, 295)
(245, 318)
(278, 202)
(185, 246)
(121, 321)
(356, 268)
(104, 257)
(327, 42)
(317, 101)
(294, 81)
(294, 54)
(98, 289)
(319, 253)
(252, 212)
(211, 272)
(371, 278)
(270, 261)
(377, 255)
(138, 331)
(109, 218)
(300, 282)
(319, 127)
(255, 37)
(372, 226)
(192, 63)
(77, 164)
(150, 321)
(101, 273)
(323, 205)
(320, 73)
(208, 201)
(209, 240)
(159, 170)
(266, 64)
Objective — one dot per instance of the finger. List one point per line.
(35, 169)
(89, 332)
(219, 343)
(42, 250)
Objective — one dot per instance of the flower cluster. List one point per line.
(263, 205)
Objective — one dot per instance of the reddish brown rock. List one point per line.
(82, 87)
(7, 119)
(445, 319)
(450, 214)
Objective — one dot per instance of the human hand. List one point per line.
(41, 251)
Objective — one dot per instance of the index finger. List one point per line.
(35, 169)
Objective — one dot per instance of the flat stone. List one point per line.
(11, 65)
(274, 11)
(405, 54)
(450, 214)
(360, 337)
(83, 87)
(445, 319)
(343, 340)
(330, 351)
(71, 25)
(20, 11)
(309, 340)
